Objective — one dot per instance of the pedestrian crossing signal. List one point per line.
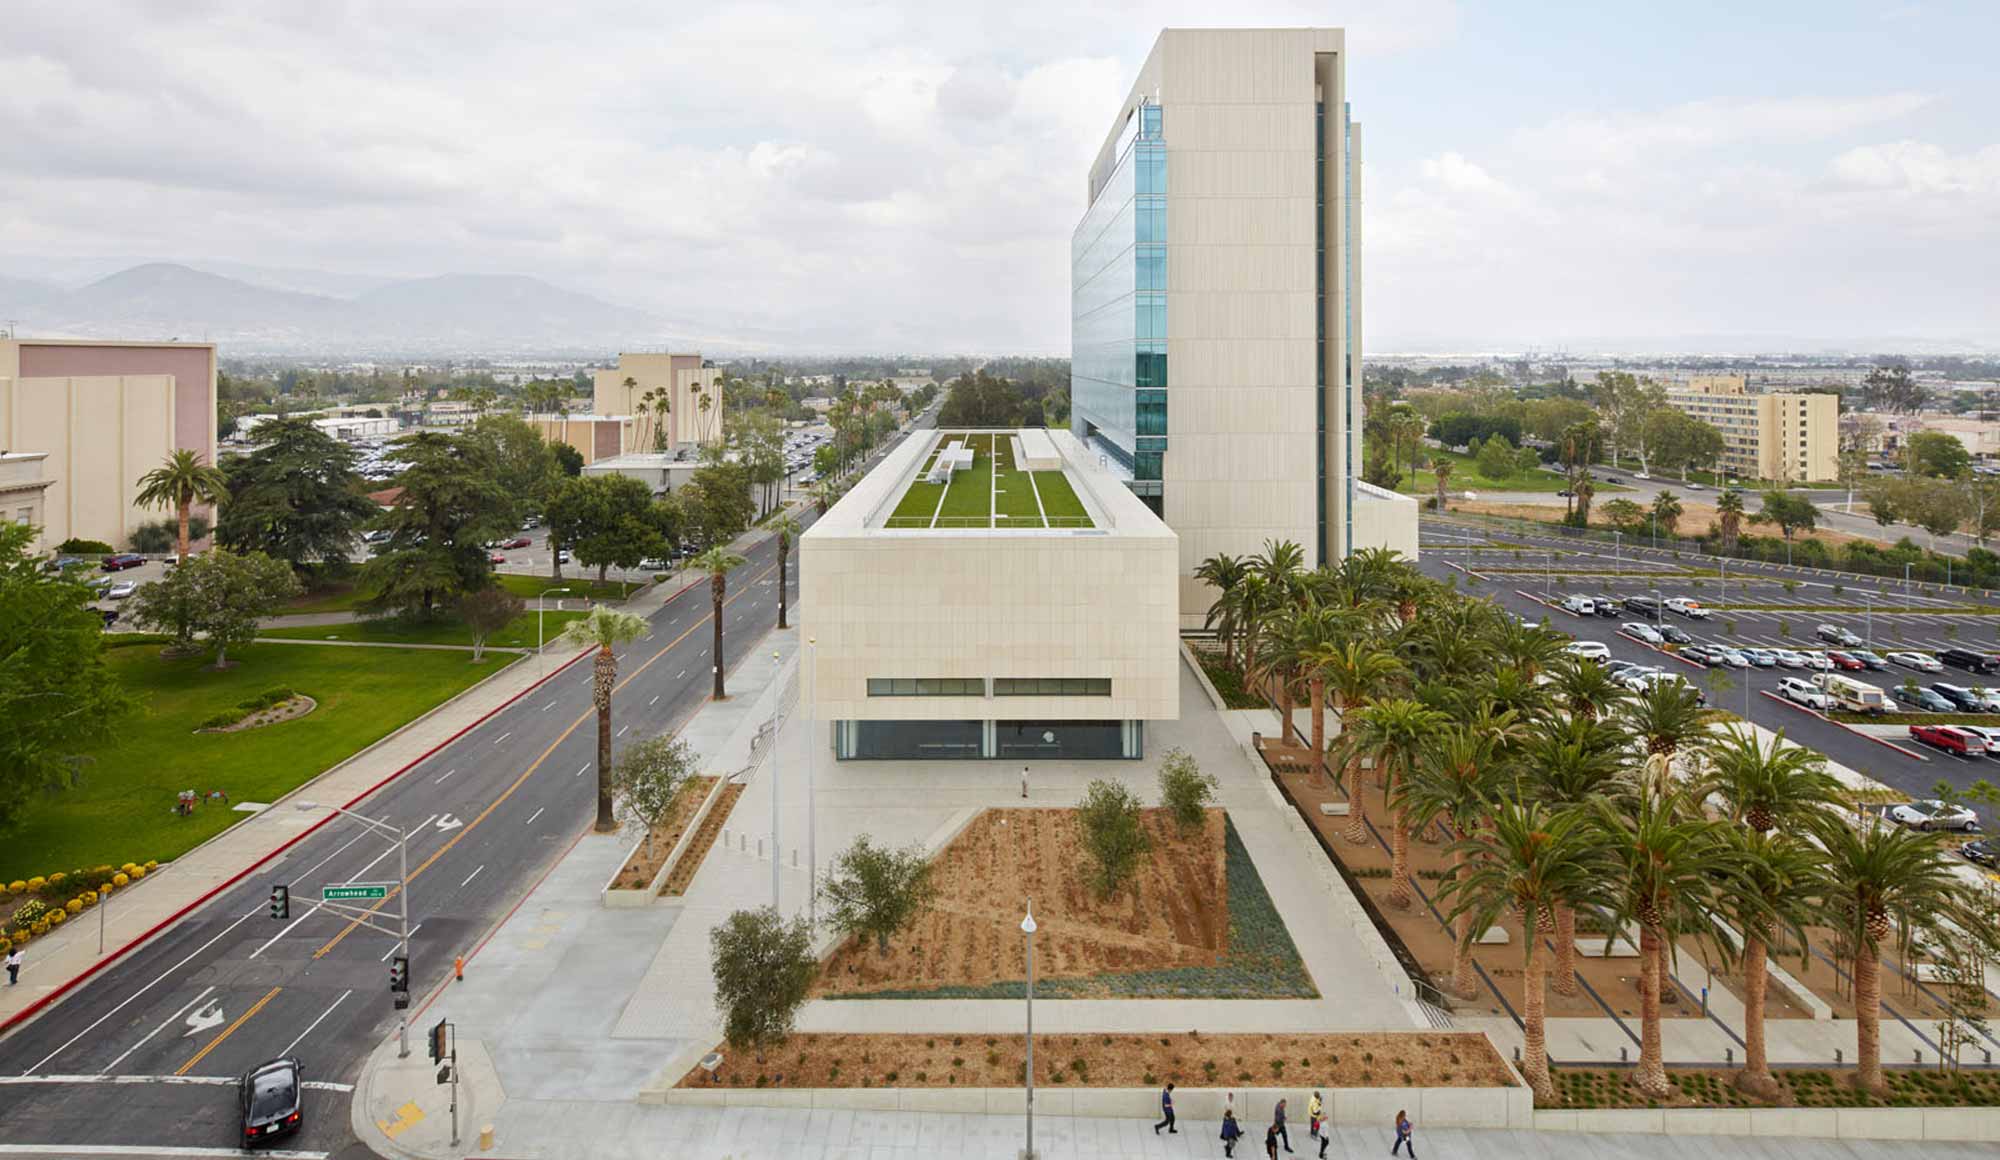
(281, 902)
(437, 1038)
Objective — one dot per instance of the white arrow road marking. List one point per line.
(448, 822)
(164, 1024)
(202, 1020)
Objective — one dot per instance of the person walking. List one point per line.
(1231, 1131)
(13, 966)
(1403, 1135)
(1166, 1111)
(1271, 1142)
(1313, 1108)
(1278, 1123)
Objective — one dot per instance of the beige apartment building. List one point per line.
(1780, 436)
(689, 384)
(103, 414)
(1216, 297)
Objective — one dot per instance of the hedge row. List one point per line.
(45, 908)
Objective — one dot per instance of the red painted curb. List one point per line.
(36, 1007)
(1843, 725)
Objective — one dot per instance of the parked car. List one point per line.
(516, 542)
(1762, 658)
(1787, 658)
(1981, 852)
(531, 523)
(1873, 660)
(1962, 699)
(1971, 662)
(1595, 650)
(1700, 653)
(1845, 661)
(1675, 634)
(1989, 699)
(1801, 691)
(122, 561)
(1816, 660)
(1687, 607)
(1637, 677)
(270, 1100)
(1640, 630)
(1644, 605)
(63, 564)
(1732, 658)
(496, 558)
(1932, 814)
(1837, 635)
(1986, 733)
(1692, 485)
(377, 536)
(1618, 668)
(652, 564)
(1607, 607)
(1916, 700)
(1646, 682)
(1581, 605)
(1922, 662)
(122, 590)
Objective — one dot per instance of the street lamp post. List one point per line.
(1550, 589)
(1908, 602)
(775, 864)
(541, 602)
(402, 840)
(1028, 929)
(812, 819)
(1618, 553)
(1868, 619)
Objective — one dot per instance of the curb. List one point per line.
(1788, 702)
(113, 956)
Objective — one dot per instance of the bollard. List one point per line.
(1517, 1055)
(1919, 1053)
(1838, 1058)
(485, 1137)
(1989, 1058)
(1622, 1057)
(1729, 1055)
(760, 847)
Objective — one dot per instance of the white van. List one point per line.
(1850, 695)
(1581, 605)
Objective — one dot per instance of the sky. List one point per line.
(905, 176)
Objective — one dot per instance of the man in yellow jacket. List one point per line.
(1313, 1114)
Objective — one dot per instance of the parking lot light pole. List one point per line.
(1868, 620)
(1908, 603)
(402, 840)
(1618, 553)
(541, 602)
(1028, 929)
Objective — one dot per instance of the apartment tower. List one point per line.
(1216, 300)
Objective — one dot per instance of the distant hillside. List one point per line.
(453, 313)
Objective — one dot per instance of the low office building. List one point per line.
(675, 398)
(22, 486)
(104, 413)
(998, 611)
(1777, 436)
(661, 472)
(595, 437)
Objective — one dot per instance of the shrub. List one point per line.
(16, 886)
(158, 537)
(222, 720)
(1184, 789)
(78, 547)
(1112, 832)
(138, 871)
(6, 944)
(28, 913)
(73, 905)
(120, 879)
(36, 883)
(56, 917)
(152, 864)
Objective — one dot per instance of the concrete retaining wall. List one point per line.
(1978, 1124)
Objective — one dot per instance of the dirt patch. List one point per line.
(1192, 1059)
(1697, 519)
(1797, 1087)
(704, 838)
(1197, 921)
(641, 867)
(287, 710)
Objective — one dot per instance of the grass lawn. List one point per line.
(338, 597)
(1465, 476)
(969, 500)
(123, 809)
(528, 587)
(1059, 501)
(1014, 494)
(519, 633)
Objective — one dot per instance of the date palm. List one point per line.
(1441, 471)
(717, 562)
(1354, 671)
(1667, 511)
(1455, 779)
(1764, 787)
(1288, 631)
(1885, 882)
(1568, 763)
(1527, 860)
(1669, 721)
(1586, 690)
(788, 529)
(1394, 732)
(185, 479)
(604, 629)
(1530, 648)
(1222, 572)
(1729, 519)
(1773, 890)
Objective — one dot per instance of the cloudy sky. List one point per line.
(905, 175)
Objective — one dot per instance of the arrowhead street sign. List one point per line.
(355, 891)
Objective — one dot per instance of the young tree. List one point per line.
(1497, 458)
(874, 892)
(184, 480)
(651, 778)
(1790, 513)
(486, 612)
(604, 629)
(1113, 834)
(1624, 515)
(1184, 789)
(295, 496)
(764, 968)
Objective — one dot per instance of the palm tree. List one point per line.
(1666, 511)
(1669, 859)
(1527, 860)
(604, 629)
(1586, 690)
(1354, 672)
(179, 483)
(1441, 471)
(1249, 603)
(787, 528)
(1394, 732)
(1288, 632)
(1568, 764)
(1454, 780)
(1775, 889)
(1222, 572)
(1883, 881)
(1280, 564)
(1765, 787)
(1529, 648)
(1585, 492)
(1668, 719)
(1729, 519)
(717, 562)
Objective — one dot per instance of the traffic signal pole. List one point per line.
(403, 949)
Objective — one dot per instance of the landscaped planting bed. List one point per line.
(1227, 679)
(704, 839)
(1191, 1058)
(1197, 922)
(641, 867)
(1804, 1088)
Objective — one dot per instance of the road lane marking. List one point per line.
(509, 791)
(147, 1150)
(503, 737)
(547, 707)
(169, 1021)
(447, 773)
(654, 701)
(533, 816)
(288, 929)
(584, 770)
(316, 1023)
(228, 1031)
(679, 675)
(311, 1085)
(471, 876)
(621, 730)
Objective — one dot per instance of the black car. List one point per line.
(1962, 699)
(270, 1099)
(1920, 700)
(1874, 662)
(1607, 607)
(1984, 852)
(1675, 635)
(1644, 605)
(1972, 662)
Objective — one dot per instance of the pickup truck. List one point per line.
(1687, 607)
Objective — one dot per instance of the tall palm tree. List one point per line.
(787, 527)
(1281, 564)
(1455, 779)
(1784, 784)
(1527, 860)
(1249, 604)
(1288, 632)
(1883, 881)
(1774, 889)
(1441, 472)
(1394, 732)
(1667, 511)
(1585, 492)
(717, 562)
(604, 629)
(1222, 572)
(1586, 690)
(1669, 860)
(185, 479)
(1729, 519)
(1355, 672)
(1567, 764)
(1669, 721)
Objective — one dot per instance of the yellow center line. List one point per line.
(229, 1030)
(587, 715)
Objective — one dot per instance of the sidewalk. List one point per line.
(68, 955)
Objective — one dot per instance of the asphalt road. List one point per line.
(1446, 552)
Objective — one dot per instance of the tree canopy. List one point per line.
(296, 496)
(606, 520)
(451, 504)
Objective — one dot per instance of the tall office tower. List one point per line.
(1215, 291)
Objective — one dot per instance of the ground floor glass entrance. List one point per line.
(973, 740)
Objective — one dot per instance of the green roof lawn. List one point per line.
(992, 486)
(1060, 502)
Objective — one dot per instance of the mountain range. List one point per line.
(451, 314)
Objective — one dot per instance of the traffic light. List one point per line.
(281, 902)
(399, 973)
(437, 1035)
